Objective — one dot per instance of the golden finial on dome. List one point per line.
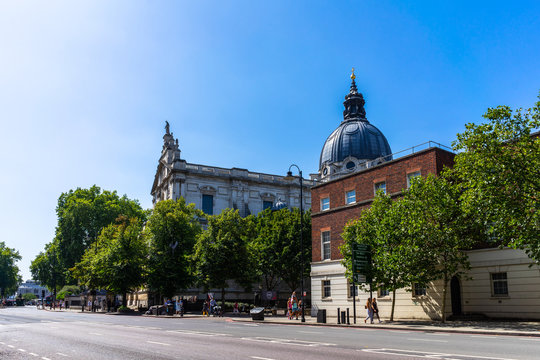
(352, 75)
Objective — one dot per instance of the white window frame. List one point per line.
(378, 186)
(411, 176)
(326, 285)
(382, 293)
(350, 197)
(325, 204)
(323, 243)
(502, 281)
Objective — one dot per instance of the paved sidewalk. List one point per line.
(489, 327)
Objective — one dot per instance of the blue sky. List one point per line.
(86, 86)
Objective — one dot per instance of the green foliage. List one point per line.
(276, 250)
(82, 214)
(171, 232)
(45, 268)
(29, 296)
(499, 168)
(9, 272)
(441, 231)
(384, 227)
(117, 264)
(221, 251)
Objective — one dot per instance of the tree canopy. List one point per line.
(171, 233)
(276, 248)
(82, 214)
(118, 263)
(498, 165)
(10, 277)
(221, 252)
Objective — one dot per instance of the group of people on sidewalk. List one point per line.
(372, 310)
(293, 306)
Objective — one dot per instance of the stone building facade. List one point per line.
(213, 189)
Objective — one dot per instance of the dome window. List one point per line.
(350, 165)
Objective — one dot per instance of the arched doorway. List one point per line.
(455, 291)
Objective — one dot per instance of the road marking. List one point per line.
(483, 336)
(21, 350)
(287, 341)
(529, 339)
(44, 358)
(61, 354)
(33, 354)
(430, 355)
(250, 324)
(201, 333)
(435, 334)
(158, 343)
(11, 346)
(98, 334)
(260, 358)
(3, 343)
(309, 332)
(430, 340)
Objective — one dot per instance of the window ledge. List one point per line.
(328, 299)
(498, 297)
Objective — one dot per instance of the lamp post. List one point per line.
(290, 177)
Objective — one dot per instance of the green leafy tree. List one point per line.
(440, 231)
(171, 232)
(119, 263)
(82, 214)
(28, 296)
(395, 259)
(498, 165)
(221, 251)
(276, 249)
(45, 268)
(10, 277)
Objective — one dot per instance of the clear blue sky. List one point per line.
(86, 86)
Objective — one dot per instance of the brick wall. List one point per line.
(394, 173)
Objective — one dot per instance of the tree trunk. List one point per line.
(124, 298)
(445, 289)
(393, 305)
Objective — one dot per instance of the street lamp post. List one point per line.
(289, 177)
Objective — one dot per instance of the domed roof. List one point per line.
(355, 136)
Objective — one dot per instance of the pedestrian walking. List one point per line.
(369, 311)
(375, 310)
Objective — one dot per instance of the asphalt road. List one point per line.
(28, 333)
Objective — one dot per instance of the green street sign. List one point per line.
(361, 262)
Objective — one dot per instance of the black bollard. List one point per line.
(338, 316)
(348, 319)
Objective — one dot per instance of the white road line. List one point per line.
(11, 346)
(529, 339)
(250, 324)
(44, 358)
(98, 334)
(436, 334)
(260, 358)
(21, 350)
(33, 354)
(3, 343)
(483, 336)
(61, 354)
(425, 354)
(309, 332)
(430, 340)
(158, 343)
